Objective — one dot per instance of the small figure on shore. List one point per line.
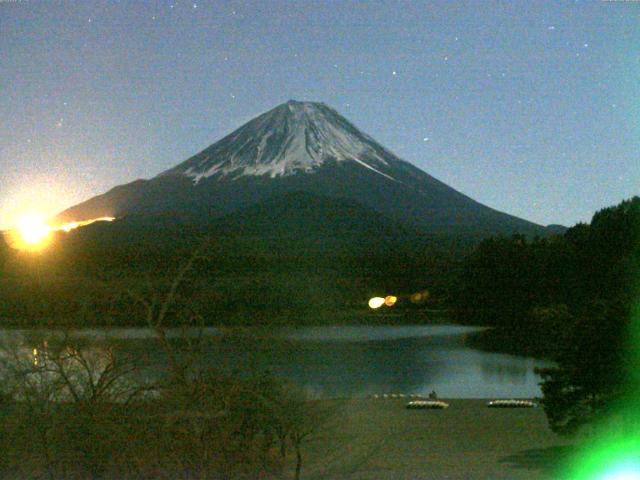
(433, 395)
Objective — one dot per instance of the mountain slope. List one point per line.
(308, 147)
(303, 214)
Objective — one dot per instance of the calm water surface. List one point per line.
(330, 362)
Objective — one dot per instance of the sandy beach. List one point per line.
(381, 439)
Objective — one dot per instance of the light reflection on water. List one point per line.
(330, 362)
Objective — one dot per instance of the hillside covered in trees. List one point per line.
(316, 260)
(569, 298)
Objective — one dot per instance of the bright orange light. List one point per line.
(390, 300)
(33, 233)
(67, 227)
(33, 230)
(376, 302)
(30, 233)
(419, 297)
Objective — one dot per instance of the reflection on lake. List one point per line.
(330, 362)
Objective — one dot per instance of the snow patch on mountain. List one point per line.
(296, 137)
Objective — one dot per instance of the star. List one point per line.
(425, 139)
(195, 5)
(551, 27)
(586, 45)
(394, 73)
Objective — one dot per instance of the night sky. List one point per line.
(532, 108)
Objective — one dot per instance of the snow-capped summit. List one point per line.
(301, 147)
(295, 137)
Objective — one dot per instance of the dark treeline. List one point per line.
(568, 298)
(533, 288)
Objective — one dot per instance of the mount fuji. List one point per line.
(303, 147)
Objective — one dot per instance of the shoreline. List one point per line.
(467, 440)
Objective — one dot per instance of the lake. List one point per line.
(358, 361)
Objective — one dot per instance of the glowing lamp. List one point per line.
(390, 300)
(376, 302)
(419, 297)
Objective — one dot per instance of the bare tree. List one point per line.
(67, 391)
(93, 415)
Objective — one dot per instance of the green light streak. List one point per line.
(612, 457)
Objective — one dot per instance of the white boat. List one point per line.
(512, 403)
(427, 404)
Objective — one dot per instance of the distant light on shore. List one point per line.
(376, 302)
(419, 297)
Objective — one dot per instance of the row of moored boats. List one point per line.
(421, 403)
